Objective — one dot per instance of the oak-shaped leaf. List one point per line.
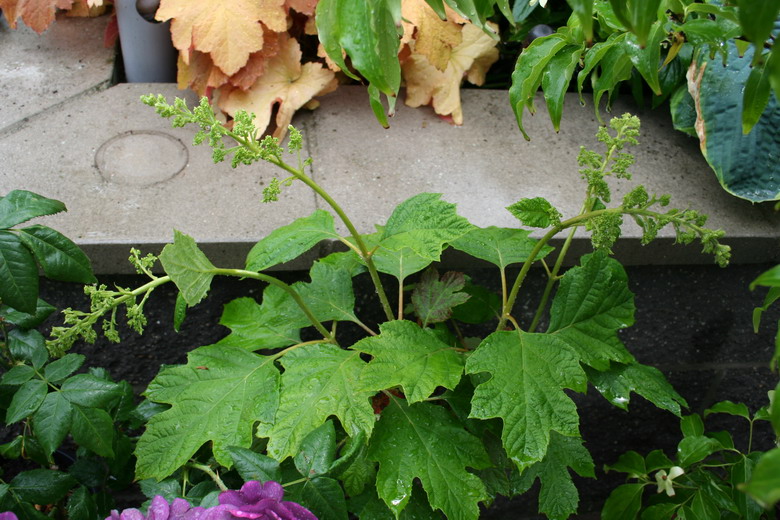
(529, 373)
(36, 14)
(399, 263)
(406, 355)
(188, 267)
(558, 497)
(618, 382)
(319, 381)
(256, 326)
(593, 302)
(216, 397)
(434, 448)
(500, 246)
(434, 298)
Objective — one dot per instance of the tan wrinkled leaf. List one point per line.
(199, 73)
(426, 84)
(255, 66)
(302, 6)
(229, 31)
(86, 9)
(286, 82)
(429, 35)
(36, 14)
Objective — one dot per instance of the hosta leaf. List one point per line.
(59, 257)
(254, 466)
(319, 381)
(434, 298)
(406, 355)
(51, 422)
(188, 267)
(558, 497)
(216, 397)
(18, 274)
(528, 374)
(93, 429)
(289, 242)
(254, 326)
(433, 448)
(499, 246)
(26, 400)
(617, 383)
(41, 486)
(424, 223)
(20, 206)
(593, 302)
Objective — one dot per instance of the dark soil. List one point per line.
(692, 322)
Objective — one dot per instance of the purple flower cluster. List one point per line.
(254, 501)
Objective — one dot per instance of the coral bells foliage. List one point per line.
(254, 500)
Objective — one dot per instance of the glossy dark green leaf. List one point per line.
(93, 429)
(324, 497)
(691, 425)
(89, 390)
(556, 80)
(637, 16)
(18, 274)
(51, 422)
(81, 505)
(317, 451)
(593, 57)
(26, 400)
(615, 67)
(630, 462)
(20, 206)
(618, 382)
(728, 407)
(17, 375)
(583, 9)
(623, 503)
(662, 511)
(59, 257)
(353, 468)
(61, 368)
(188, 267)
(683, 110)
(41, 486)
(695, 448)
(758, 18)
(647, 59)
(24, 320)
(28, 345)
(764, 483)
(756, 97)
(254, 466)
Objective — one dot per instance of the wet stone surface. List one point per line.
(141, 158)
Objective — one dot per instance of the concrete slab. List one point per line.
(40, 71)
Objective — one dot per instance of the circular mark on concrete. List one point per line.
(141, 158)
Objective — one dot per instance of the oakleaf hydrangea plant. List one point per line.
(414, 418)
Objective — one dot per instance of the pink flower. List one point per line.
(257, 501)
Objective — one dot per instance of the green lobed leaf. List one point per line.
(317, 451)
(557, 77)
(61, 368)
(216, 397)
(89, 390)
(436, 450)
(623, 503)
(424, 223)
(93, 429)
(28, 345)
(324, 497)
(251, 465)
(764, 483)
(500, 246)
(254, 326)
(20, 206)
(592, 303)
(59, 257)
(27, 320)
(329, 295)
(319, 380)
(188, 267)
(52, 421)
(434, 298)
(26, 400)
(558, 497)
(400, 263)
(289, 242)
(41, 486)
(406, 355)
(618, 382)
(18, 274)
(526, 390)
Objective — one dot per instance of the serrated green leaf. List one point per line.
(254, 466)
(17, 375)
(360, 472)
(81, 506)
(400, 263)
(558, 497)
(51, 422)
(255, 326)
(26, 400)
(695, 448)
(406, 355)
(169, 489)
(536, 212)
(217, 396)
(319, 380)
(329, 295)
(324, 497)
(89, 390)
(317, 451)
(29, 346)
(424, 223)
(623, 503)
(20, 206)
(434, 298)
(179, 311)
(436, 450)
(93, 429)
(764, 483)
(188, 267)
(27, 320)
(59, 257)
(557, 78)
(617, 383)
(529, 373)
(592, 303)
(500, 246)
(289, 242)
(61, 368)
(728, 407)
(41, 486)
(527, 75)
(18, 274)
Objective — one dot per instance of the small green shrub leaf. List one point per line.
(584, 11)
(317, 452)
(324, 497)
(25, 320)
(329, 295)
(623, 503)
(209, 403)
(26, 400)
(630, 462)
(20, 206)
(254, 326)
(17, 375)
(353, 467)
(289, 242)
(436, 450)
(254, 466)
(41, 486)
(93, 429)
(61, 368)
(434, 298)
(28, 345)
(500, 246)
(81, 505)
(695, 448)
(179, 311)
(89, 390)
(319, 380)
(728, 407)
(618, 382)
(59, 257)
(529, 373)
(18, 274)
(647, 57)
(556, 80)
(536, 212)
(764, 483)
(757, 19)
(188, 267)
(52, 421)
(406, 355)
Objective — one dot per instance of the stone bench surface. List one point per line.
(128, 179)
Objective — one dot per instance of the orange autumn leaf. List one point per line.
(36, 14)
(429, 35)
(255, 66)
(302, 6)
(426, 84)
(285, 82)
(228, 31)
(199, 73)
